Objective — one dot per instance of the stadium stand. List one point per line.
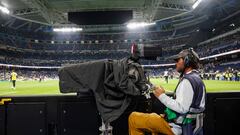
(31, 47)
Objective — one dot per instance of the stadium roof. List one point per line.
(55, 12)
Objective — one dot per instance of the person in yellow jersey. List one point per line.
(13, 79)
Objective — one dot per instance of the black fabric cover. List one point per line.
(113, 83)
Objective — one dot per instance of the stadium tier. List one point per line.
(119, 67)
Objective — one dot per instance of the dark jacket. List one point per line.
(112, 82)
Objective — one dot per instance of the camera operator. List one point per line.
(188, 98)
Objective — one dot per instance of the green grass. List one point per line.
(211, 85)
(30, 88)
(50, 87)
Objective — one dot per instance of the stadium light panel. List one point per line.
(135, 25)
(72, 29)
(4, 10)
(196, 4)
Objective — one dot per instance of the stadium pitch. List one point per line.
(50, 87)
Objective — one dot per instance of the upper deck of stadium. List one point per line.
(39, 37)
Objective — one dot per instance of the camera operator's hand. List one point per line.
(158, 91)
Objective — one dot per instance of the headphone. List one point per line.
(189, 59)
